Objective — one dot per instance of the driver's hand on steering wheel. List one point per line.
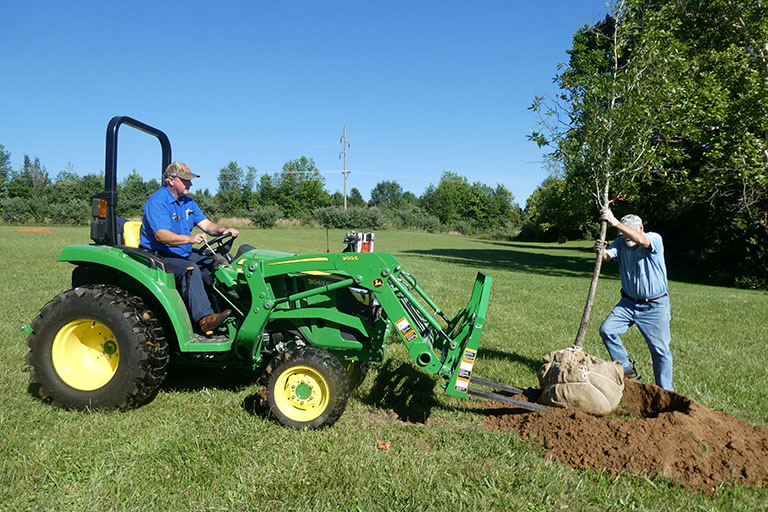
(232, 231)
(198, 238)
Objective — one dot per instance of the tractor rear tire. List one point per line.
(97, 347)
(307, 388)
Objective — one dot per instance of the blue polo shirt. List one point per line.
(643, 271)
(163, 211)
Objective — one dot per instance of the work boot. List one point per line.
(631, 374)
(209, 323)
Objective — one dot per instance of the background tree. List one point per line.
(299, 188)
(5, 171)
(387, 193)
(133, 193)
(355, 199)
(230, 192)
(266, 192)
(30, 181)
(455, 202)
(554, 209)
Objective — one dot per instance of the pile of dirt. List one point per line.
(34, 230)
(654, 432)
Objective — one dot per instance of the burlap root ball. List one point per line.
(573, 379)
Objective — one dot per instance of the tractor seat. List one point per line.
(132, 233)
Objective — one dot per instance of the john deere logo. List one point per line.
(378, 282)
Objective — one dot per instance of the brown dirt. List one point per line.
(654, 432)
(34, 230)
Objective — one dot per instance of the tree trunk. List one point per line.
(595, 275)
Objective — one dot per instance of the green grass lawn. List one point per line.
(196, 446)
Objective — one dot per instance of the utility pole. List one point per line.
(345, 145)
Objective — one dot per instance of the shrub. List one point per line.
(74, 211)
(265, 216)
(38, 208)
(464, 227)
(415, 218)
(351, 218)
(14, 210)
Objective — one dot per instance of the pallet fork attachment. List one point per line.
(458, 342)
(504, 398)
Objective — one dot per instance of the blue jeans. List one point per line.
(199, 305)
(652, 319)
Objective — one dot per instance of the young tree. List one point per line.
(593, 121)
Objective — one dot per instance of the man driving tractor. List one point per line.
(166, 228)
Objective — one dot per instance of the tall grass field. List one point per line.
(198, 447)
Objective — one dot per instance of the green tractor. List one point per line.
(309, 325)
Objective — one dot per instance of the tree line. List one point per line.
(297, 192)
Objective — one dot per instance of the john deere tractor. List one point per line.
(309, 325)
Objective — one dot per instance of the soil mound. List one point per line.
(654, 432)
(34, 230)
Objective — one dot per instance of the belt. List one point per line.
(641, 301)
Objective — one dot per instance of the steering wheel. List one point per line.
(222, 247)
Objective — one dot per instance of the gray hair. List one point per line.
(632, 221)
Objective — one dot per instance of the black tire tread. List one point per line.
(331, 368)
(149, 340)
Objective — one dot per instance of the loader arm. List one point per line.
(447, 350)
(439, 345)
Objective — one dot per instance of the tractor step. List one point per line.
(504, 398)
(199, 338)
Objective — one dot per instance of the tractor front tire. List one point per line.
(96, 347)
(307, 388)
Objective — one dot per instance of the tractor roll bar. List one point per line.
(105, 232)
(110, 166)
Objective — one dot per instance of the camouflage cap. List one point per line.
(179, 170)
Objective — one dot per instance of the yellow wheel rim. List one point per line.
(85, 354)
(301, 393)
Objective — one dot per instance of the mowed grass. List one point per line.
(197, 447)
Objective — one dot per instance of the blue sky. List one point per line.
(423, 87)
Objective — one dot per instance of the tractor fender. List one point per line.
(143, 269)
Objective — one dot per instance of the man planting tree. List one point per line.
(644, 298)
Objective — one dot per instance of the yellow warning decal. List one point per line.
(406, 330)
(465, 370)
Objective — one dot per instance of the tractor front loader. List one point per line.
(308, 324)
